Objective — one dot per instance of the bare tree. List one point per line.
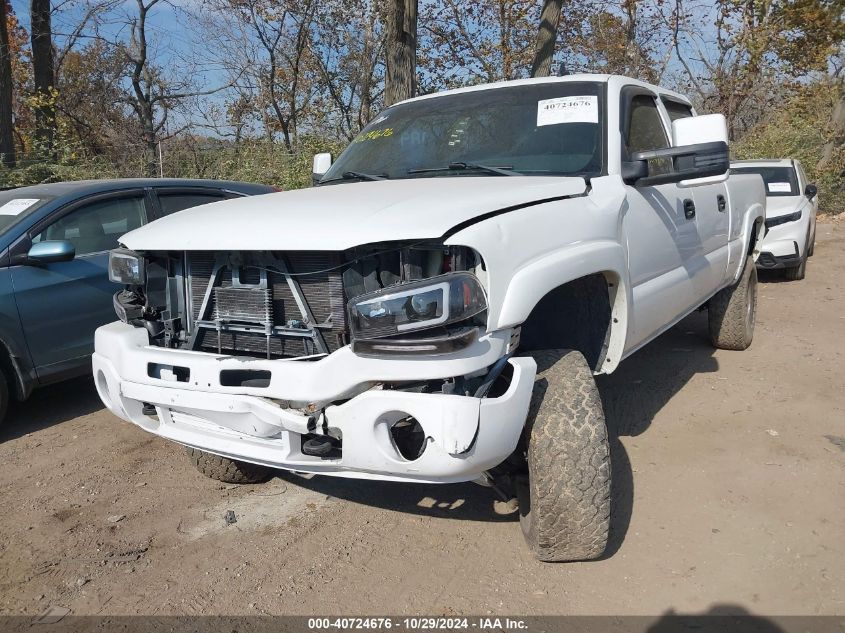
(151, 95)
(41, 37)
(546, 37)
(268, 50)
(7, 140)
(351, 59)
(401, 67)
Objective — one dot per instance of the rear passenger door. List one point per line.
(662, 237)
(62, 303)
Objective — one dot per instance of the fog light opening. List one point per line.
(409, 438)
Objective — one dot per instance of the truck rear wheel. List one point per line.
(565, 506)
(732, 311)
(227, 470)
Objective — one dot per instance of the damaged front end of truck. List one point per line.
(374, 361)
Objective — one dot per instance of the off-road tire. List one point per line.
(565, 503)
(732, 311)
(228, 470)
(4, 396)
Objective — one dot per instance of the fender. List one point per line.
(532, 282)
(756, 213)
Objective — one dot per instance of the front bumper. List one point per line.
(467, 435)
(784, 245)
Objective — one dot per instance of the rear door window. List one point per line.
(677, 110)
(173, 202)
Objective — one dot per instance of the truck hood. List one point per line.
(337, 217)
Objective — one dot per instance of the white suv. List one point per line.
(791, 206)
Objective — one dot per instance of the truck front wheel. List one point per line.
(732, 311)
(565, 503)
(228, 470)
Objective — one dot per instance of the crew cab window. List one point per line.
(677, 110)
(96, 227)
(645, 129)
(173, 202)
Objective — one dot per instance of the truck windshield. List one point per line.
(16, 205)
(541, 129)
(779, 181)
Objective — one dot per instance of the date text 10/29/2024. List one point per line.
(419, 623)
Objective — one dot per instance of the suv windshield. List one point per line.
(780, 181)
(15, 205)
(545, 129)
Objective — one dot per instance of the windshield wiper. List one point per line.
(355, 175)
(499, 171)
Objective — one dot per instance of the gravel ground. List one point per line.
(728, 496)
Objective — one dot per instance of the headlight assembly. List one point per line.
(404, 309)
(783, 219)
(126, 267)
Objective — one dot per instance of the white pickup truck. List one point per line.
(434, 310)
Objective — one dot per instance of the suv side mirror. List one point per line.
(811, 191)
(322, 163)
(688, 162)
(51, 251)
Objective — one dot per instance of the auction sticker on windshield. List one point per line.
(17, 206)
(580, 109)
(780, 187)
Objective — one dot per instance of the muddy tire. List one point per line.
(228, 470)
(732, 311)
(564, 505)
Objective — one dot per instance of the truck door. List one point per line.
(665, 252)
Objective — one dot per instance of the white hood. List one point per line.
(783, 205)
(337, 217)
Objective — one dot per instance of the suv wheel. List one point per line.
(4, 396)
(732, 311)
(796, 273)
(227, 470)
(565, 504)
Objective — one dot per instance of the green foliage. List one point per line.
(802, 128)
(248, 161)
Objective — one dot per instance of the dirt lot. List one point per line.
(729, 490)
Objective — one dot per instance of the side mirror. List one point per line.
(51, 251)
(677, 164)
(707, 128)
(693, 130)
(322, 163)
(811, 191)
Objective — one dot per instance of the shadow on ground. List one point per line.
(49, 406)
(632, 396)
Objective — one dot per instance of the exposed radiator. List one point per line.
(255, 306)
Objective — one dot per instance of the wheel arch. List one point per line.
(578, 282)
(20, 383)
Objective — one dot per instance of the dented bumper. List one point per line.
(466, 435)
